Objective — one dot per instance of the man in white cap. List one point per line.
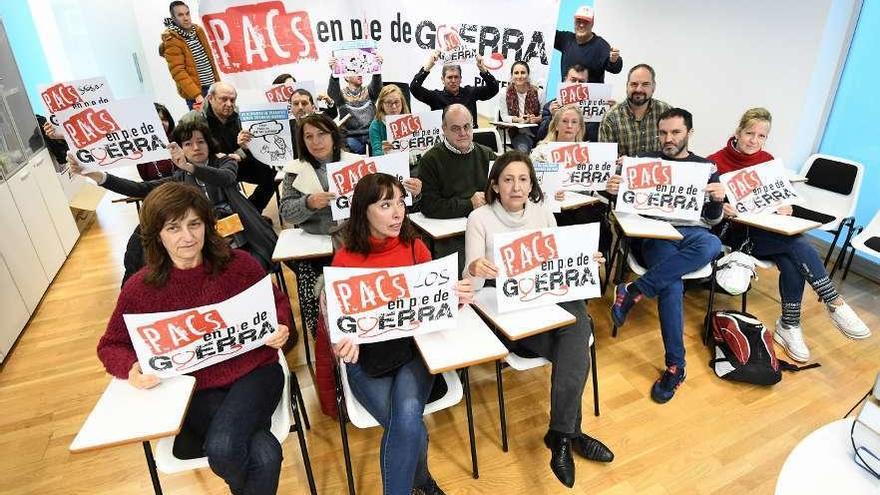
(587, 48)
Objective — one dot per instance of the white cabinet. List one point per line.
(37, 220)
(55, 199)
(14, 315)
(19, 253)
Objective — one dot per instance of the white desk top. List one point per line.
(469, 343)
(519, 324)
(439, 228)
(575, 200)
(297, 244)
(499, 123)
(795, 177)
(823, 463)
(125, 414)
(781, 224)
(647, 228)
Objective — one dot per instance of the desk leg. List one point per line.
(501, 411)
(470, 418)
(151, 465)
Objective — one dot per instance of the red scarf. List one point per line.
(729, 158)
(531, 107)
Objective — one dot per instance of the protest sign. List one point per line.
(342, 176)
(592, 98)
(587, 166)
(546, 266)
(74, 95)
(661, 188)
(414, 132)
(283, 92)
(269, 124)
(761, 188)
(115, 134)
(356, 58)
(453, 49)
(174, 343)
(550, 177)
(377, 304)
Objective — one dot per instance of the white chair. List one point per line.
(830, 194)
(168, 463)
(866, 241)
(489, 137)
(347, 406)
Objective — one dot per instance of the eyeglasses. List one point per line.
(458, 129)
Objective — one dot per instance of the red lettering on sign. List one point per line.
(528, 252)
(280, 93)
(347, 177)
(405, 126)
(261, 35)
(648, 175)
(572, 155)
(88, 127)
(59, 97)
(370, 291)
(744, 183)
(574, 93)
(181, 330)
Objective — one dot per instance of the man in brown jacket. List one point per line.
(185, 47)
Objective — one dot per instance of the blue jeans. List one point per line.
(235, 424)
(397, 402)
(667, 261)
(357, 144)
(522, 140)
(190, 103)
(797, 260)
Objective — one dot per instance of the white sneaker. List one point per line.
(847, 321)
(792, 340)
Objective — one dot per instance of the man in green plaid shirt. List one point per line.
(632, 124)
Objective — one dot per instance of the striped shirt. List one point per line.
(632, 136)
(203, 63)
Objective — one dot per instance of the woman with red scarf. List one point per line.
(797, 260)
(522, 105)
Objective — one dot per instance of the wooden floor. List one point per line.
(713, 437)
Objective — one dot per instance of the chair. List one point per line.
(349, 409)
(168, 463)
(866, 240)
(520, 363)
(831, 191)
(489, 138)
(404, 88)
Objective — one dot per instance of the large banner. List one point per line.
(760, 188)
(269, 124)
(74, 95)
(586, 166)
(414, 132)
(254, 41)
(115, 134)
(592, 98)
(179, 342)
(546, 266)
(372, 305)
(665, 189)
(343, 175)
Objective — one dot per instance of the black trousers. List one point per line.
(263, 176)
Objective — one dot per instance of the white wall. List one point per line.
(717, 58)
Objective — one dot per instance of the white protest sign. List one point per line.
(283, 92)
(269, 124)
(550, 177)
(377, 304)
(586, 166)
(661, 188)
(174, 343)
(760, 188)
(343, 175)
(115, 134)
(414, 132)
(74, 95)
(356, 58)
(453, 49)
(592, 98)
(546, 266)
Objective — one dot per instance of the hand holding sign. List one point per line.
(279, 338)
(177, 155)
(716, 191)
(316, 201)
(478, 199)
(613, 185)
(244, 137)
(347, 350)
(413, 186)
(482, 268)
(465, 292)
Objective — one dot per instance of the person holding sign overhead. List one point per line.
(666, 260)
(795, 257)
(189, 265)
(356, 101)
(389, 378)
(513, 198)
(453, 92)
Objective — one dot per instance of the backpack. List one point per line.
(743, 350)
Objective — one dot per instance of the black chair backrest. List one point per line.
(832, 175)
(487, 139)
(404, 88)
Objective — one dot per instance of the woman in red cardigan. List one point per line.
(190, 265)
(389, 378)
(797, 260)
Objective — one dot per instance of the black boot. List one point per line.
(429, 488)
(594, 450)
(561, 460)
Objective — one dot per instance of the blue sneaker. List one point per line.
(623, 302)
(664, 388)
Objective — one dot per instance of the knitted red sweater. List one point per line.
(729, 158)
(188, 289)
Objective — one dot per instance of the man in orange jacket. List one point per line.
(185, 47)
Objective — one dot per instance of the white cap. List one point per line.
(585, 13)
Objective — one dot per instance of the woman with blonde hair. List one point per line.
(567, 125)
(390, 102)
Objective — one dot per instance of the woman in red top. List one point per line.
(797, 260)
(389, 378)
(190, 265)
